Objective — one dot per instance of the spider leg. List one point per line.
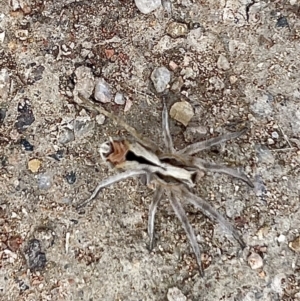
(109, 181)
(179, 211)
(207, 166)
(213, 214)
(87, 104)
(166, 129)
(152, 210)
(199, 146)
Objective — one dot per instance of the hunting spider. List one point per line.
(172, 172)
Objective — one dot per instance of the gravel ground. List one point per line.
(232, 61)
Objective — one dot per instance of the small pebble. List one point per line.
(282, 22)
(36, 74)
(22, 34)
(34, 165)
(160, 77)
(119, 98)
(44, 181)
(128, 105)
(223, 63)
(71, 177)
(58, 155)
(295, 244)
(36, 259)
(25, 116)
(147, 6)
(176, 30)
(177, 84)
(173, 66)
(175, 294)
(84, 81)
(66, 135)
(27, 146)
(182, 111)
(102, 91)
(233, 79)
(271, 141)
(281, 238)
(23, 286)
(83, 126)
(275, 135)
(255, 261)
(100, 118)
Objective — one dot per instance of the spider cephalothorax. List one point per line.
(172, 171)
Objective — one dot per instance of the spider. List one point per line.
(173, 173)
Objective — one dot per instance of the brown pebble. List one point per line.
(34, 165)
(176, 30)
(255, 261)
(295, 244)
(182, 111)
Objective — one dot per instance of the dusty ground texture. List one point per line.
(233, 61)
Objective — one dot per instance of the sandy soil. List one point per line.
(233, 61)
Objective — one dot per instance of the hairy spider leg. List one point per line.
(152, 211)
(109, 181)
(213, 214)
(179, 211)
(207, 166)
(89, 105)
(166, 129)
(199, 146)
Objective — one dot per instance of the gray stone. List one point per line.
(102, 91)
(275, 135)
(83, 126)
(160, 77)
(85, 82)
(44, 181)
(147, 6)
(100, 118)
(223, 63)
(119, 98)
(66, 135)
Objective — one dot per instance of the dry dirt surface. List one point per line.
(233, 61)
